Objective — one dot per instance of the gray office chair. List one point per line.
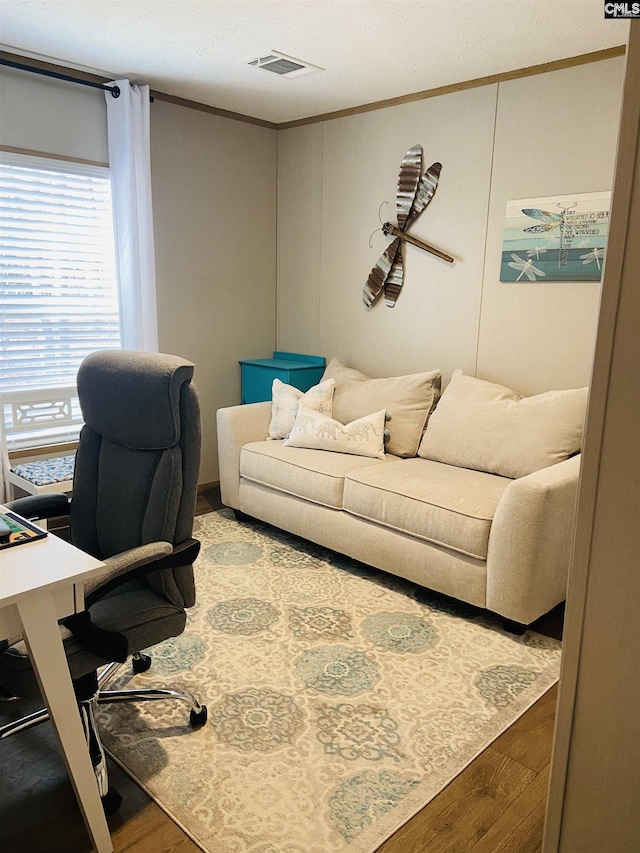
(133, 504)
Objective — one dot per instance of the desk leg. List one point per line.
(42, 636)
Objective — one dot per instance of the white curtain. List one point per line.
(130, 169)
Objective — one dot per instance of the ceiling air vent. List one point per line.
(282, 65)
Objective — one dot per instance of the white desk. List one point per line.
(41, 582)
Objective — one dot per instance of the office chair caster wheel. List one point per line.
(197, 719)
(140, 662)
(111, 802)
(7, 695)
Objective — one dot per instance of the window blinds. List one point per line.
(58, 291)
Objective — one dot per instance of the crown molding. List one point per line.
(556, 65)
(532, 70)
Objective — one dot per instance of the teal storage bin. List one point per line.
(257, 375)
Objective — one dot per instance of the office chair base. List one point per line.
(23, 724)
(197, 716)
(90, 693)
(152, 694)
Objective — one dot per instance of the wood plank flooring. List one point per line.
(496, 805)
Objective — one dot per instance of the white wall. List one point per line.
(543, 135)
(53, 117)
(556, 134)
(214, 185)
(214, 197)
(343, 170)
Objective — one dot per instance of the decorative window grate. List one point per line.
(37, 418)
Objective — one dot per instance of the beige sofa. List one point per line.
(497, 538)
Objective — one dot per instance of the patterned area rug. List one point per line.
(341, 699)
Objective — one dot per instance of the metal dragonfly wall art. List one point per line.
(414, 193)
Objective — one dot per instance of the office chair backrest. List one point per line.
(138, 457)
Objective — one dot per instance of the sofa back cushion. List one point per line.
(408, 400)
(488, 427)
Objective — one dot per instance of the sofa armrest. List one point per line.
(238, 425)
(530, 542)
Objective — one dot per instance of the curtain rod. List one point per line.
(115, 90)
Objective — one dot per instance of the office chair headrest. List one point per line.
(133, 398)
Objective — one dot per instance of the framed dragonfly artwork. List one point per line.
(555, 238)
(415, 191)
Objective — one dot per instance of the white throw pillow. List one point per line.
(284, 404)
(488, 427)
(408, 399)
(363, 437)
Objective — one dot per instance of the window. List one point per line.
(58, 290)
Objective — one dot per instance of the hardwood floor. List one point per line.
(496, 805)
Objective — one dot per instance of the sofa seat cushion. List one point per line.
(315, 475)
(440, 503)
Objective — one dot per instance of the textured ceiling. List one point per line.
(370, 50)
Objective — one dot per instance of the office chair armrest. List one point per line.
(35, 507)
(118, 569)
(125, 563)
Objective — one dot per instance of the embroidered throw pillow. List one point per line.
(284, 404)
(363, 437)
(408, 399)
